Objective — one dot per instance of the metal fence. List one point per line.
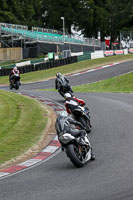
(46, 35)
(15, 26)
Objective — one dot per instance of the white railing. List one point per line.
(38, 34)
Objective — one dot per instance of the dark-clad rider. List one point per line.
(66, 124)
(59, 81)
(13, 72)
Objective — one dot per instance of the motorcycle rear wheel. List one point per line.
(85, 123)
(75, 156)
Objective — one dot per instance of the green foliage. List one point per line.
(27, 12)
(107, 16)
(57, 9)
(91, 16)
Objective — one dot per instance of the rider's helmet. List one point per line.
(15, 68)
(58, 75)
(67, 95)
(63, 114)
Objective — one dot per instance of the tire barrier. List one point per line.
(40, 66)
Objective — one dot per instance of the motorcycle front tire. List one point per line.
(17, 85)
(74, 155)
(10, 87)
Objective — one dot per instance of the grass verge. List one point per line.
(120, 84)
(22, 122)
(67, 69)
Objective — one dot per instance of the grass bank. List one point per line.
(22, 122)
(120, 84)
(67, 69)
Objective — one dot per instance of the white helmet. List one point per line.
(67, 95)
(15, 68)
(58, 75)
(63, 114)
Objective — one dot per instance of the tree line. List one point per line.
(108, 17)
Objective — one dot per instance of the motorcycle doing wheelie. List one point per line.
(15, 81)
(75, 144)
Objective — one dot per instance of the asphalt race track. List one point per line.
(110, 176)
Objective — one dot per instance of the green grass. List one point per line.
(66, 69)
(3, 63)
(22, 122)
(120, 84)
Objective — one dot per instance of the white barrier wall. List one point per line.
(125, 51)
(115, 52)
(23, 63)
(108, 53)
(77, 54)
(97, 54)
(94, 55)
(118, 52)
(130, 50)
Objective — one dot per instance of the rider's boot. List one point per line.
(93, 157)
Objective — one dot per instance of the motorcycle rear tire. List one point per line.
(74, 155)
(86, 124)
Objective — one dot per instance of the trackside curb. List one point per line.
(95, 69)
(51, 148)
